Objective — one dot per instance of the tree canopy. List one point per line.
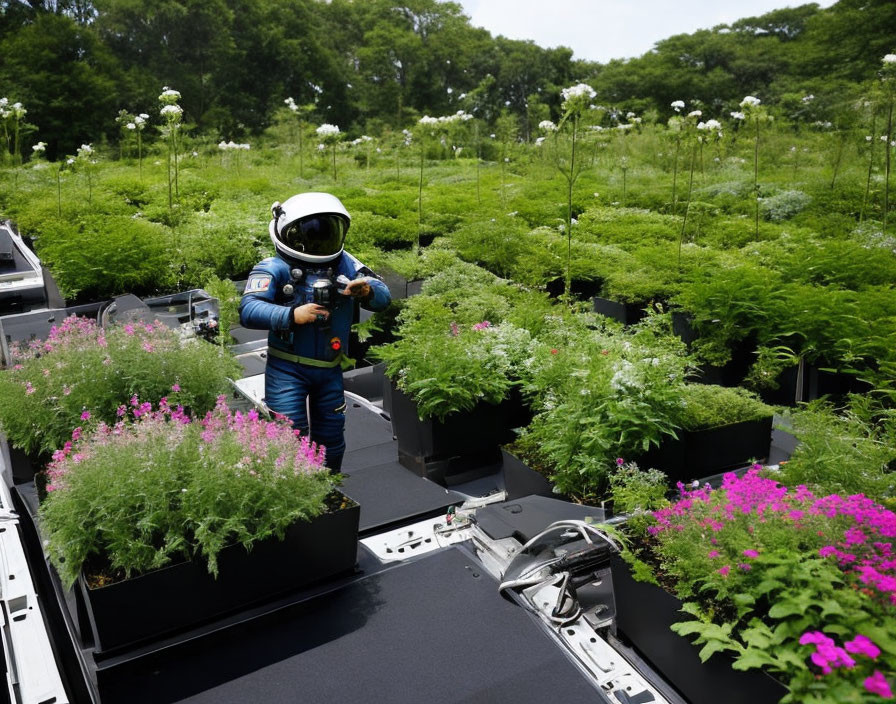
(379, 64)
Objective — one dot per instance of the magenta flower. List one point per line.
(745, 567)
(29, 389)
(724, 570)
(619, 461)
(455, 331)
(877, 684)
(713, 553)
(862, 645)
(175, 387)
(85, 415)
(751, 553)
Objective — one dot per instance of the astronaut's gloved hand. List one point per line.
(359, 288)
(309, 313)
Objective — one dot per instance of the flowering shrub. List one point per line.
(598, 394)
(458, 368)
(159, 486)
(799, 584)
(82, 367)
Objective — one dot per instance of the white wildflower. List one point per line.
(169, 96)
(171, 111)
(131, 126)
(889, 59)
(547, 126)
(327, 130)
(677, 105)
(695, 113)
(750, 101)
(39, 148)
(738, 115)
(578, 91)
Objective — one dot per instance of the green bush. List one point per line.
(98, 257)
(83, 368)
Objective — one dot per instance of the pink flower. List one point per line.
(619, 461)
(85, 415)
(134, 400)
(482, 326)
(120, 411)
(877, 684)
(147, 347)
(724, 570)
(29, 389)
(76, 434)
(751, 553)
(454, 329)
(745, 567)
(862, 645)
(555, 351)
(713, 553)
(129, 329)
(175, 387)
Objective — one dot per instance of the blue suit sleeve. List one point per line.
(380, 298)
(257, 308)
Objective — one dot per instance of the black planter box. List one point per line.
(460, 448)
(625, 313)
(702, 453)
(399, 286)
(181, 596)
(644, 613)
(580, 288)
(21, 466)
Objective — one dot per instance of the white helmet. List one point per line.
(309, 227)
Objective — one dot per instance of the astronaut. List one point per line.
(305, 296)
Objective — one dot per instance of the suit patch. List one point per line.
(258, 283)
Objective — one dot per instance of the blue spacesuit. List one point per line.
(306, 360)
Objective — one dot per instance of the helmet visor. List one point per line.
(318, 235)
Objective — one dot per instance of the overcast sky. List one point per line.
(601, 30)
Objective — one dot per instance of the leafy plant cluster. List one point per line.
(798, 584)
(851, 450)
(160, 486)
(82, 367)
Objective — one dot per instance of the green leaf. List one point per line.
(752, 658)
(688, 627)
(783, 609)
(713, 646)
(829, 607)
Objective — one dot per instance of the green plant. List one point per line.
(164, 487)
(635, 489)
(599, 393)
(850, 451)
(707, 406)
(428, 366)
(98, 257)
(81, 368)
(784, 205)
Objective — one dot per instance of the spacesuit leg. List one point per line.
(328, 414)
(286, 386)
